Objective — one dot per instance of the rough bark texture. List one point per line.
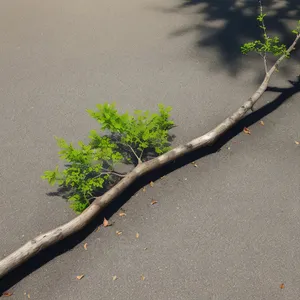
(45, 240)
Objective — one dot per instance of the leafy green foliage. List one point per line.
(90, 166)
(297, 30)
(270, 45)
(267, 44)
(83, 175)
(140, 131)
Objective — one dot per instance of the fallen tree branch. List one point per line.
(45, 240)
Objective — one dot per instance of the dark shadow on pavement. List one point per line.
(68, 244)
(224, 25)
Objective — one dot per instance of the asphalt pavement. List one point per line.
(227, 228)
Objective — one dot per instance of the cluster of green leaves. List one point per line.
(140, 131)
(84, 173)
(267, 44)
(297, 30)
(90, 166)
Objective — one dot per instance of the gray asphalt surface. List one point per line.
(228, 229)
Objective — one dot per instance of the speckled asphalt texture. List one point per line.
(227, 229)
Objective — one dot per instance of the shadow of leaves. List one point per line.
(224, 25)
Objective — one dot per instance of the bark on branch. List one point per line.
(45, 240)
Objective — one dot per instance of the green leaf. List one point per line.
(83, 176)
(52, 176)
(267, 45)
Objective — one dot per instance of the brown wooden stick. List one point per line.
(45, 240)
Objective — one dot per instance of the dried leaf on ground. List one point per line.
(85, 246)
(297, 143)
(106, 223)
(247, 130)
(137, 235)
(118, 232)
(7, 294)
(144, 189)
(194, 164)
(282, 286)
(79, 277)
(114, 277)
(153, 202)
(262, 123)
(122, 214)
(151, 183)
(28, 296)
(143, 277)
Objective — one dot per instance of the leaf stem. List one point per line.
(265, 35)
(141, 154)
(132, 150)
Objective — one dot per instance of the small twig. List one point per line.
(111, 172)
(141, 154)
(132, 150)
(137, 157)
(264, 57)
(115, 173)
(92, 198)
(265, 35)
(265, 62)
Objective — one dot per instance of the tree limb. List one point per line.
(45, 240)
